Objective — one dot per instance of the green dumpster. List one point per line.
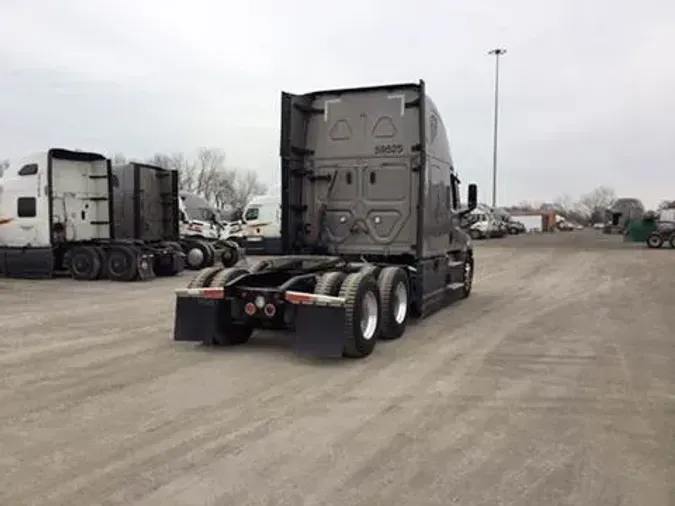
(639, 230)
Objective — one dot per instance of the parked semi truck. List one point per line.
(482, 223)
(260, 230)
(145, 207)
(621, 213)
(203, 236)
(56, 214)
(369, 224)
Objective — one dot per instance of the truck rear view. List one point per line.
(146, 210)
(370, 229)
(351, 167)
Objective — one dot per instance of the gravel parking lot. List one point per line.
(553, 384)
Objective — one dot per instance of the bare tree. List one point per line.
(210, 172)
(596, 203)
(601, 198)
(247, 185)
(666, 204)
(119, 159)
(209, 177)
(564, 204)
(4, 165)
(187, 177)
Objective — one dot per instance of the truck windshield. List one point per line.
(252, 213)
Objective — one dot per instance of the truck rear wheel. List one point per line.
(330, 283)
(362, 314)
(467, 277)
(230, 254)
(211, 257)
(224, 276)
(122, 263)
(372, 270)
(394, 295)
(85, 263)
(204, 277)
(654, 240)
(230, 333)
(197, 254)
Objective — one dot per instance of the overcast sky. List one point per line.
(587, 87)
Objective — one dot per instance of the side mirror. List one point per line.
(472, 198)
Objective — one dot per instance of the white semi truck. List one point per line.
(56, 214)
(260, 230)
(203, 236)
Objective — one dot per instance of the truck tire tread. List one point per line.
(204, 277)
(232, 333)
(131, 254)
(388, 281)
(93, 268)
(329, 283)
(353, 289)
(226, 275)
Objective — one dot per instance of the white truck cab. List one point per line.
(197, 219)
(261, 228)
(483, 223)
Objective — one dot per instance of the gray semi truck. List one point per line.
(370, 229)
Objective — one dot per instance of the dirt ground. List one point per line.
(553, 384)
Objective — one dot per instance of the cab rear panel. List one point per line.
(365, 171)
(146, 202)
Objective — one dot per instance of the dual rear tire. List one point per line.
(87, 263)
(656, 240)
(230, 333)
(199, 255)
(375, 307)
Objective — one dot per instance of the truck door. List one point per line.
(25, 207)
(24, 223)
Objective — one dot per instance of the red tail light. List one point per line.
(270, 310)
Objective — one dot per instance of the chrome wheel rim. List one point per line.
(468, 276)
(400, 303)
(369, 315)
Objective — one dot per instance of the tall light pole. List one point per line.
(497, 52)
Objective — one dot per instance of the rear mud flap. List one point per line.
(146, 269)
(178, 259)
(198, 320)
(319, 331)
